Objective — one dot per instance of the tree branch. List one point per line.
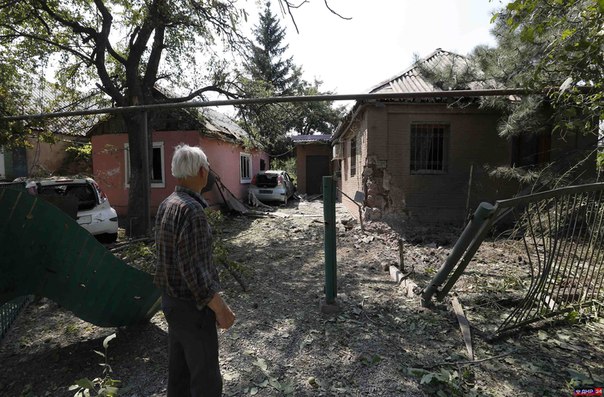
(102, 44)
(63, 47)
(155, 57)
(75, 26)
(335, 13)
(210, 88)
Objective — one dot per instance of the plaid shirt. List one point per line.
(184, 249)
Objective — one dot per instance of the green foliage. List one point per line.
(267, 72)
(171, 41)
(446, 382)
(560, 44)
(78, 158)
(104, 386)
(287, 164)
(140, 255)
(220, 252)
(553, 48)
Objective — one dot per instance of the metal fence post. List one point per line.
(329, 214)
(482, 213)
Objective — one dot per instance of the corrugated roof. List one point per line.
(411, 79)
(221, 124)
(46, 98)
(305, 139)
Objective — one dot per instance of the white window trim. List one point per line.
(156, 145)
(247, 179)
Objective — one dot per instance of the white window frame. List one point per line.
(156, 145)
(247, 158)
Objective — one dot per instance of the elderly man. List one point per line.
(185, 272)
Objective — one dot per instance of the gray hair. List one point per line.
(187, 161)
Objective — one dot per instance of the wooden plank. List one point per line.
(464, 325)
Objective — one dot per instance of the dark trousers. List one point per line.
(193, 350)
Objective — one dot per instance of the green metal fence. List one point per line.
(46, 253)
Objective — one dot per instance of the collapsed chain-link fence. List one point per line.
(556, 241)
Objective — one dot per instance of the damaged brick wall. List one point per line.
(376, 186)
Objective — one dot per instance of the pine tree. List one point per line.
(554, 50)
(269, 72)
(266, 62)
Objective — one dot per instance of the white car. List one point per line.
(83, 200)
(273, 185)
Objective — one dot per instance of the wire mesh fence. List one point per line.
(9, 312)
(534, 258)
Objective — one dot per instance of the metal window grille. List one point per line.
(428, 148)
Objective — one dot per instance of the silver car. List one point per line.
(274, 185)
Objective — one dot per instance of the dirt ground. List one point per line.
(381, 343)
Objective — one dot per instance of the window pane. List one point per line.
(156, 171)
(427, 151)
(245, 167)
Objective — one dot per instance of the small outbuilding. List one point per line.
(313, 162)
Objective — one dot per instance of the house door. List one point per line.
(316, 168)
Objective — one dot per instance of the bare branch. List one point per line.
(288, 5)
(335, 13)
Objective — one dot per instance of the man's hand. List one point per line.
(224, 315)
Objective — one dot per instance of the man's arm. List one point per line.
(224, 315)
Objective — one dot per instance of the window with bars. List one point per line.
(245, 167)
(353, 157)
(429, 148)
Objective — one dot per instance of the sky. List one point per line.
(379, 42)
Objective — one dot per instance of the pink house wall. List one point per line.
(224, 158)
(109, 159)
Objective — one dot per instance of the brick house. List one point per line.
(232, 154)
(428, 159)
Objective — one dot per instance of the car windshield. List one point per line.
(83, 193)
(266, 178)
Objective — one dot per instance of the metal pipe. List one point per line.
(146, 176)
(360, 207)
(280, 99)
(483, 211)
(329, 215)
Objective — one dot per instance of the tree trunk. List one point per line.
(140, 148)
